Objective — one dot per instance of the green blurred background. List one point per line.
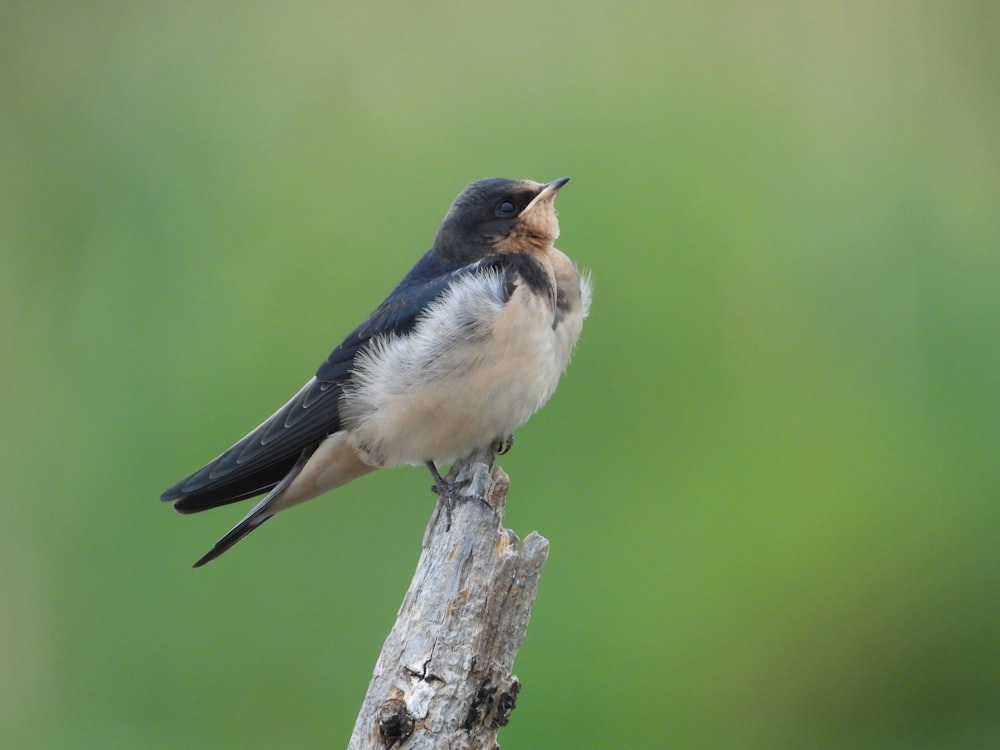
(770, 477)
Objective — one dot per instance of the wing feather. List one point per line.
(256, 463)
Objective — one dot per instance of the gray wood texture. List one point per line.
(443, 679)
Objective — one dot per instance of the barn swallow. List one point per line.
(464, 350)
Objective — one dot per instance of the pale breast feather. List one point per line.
(478, 362)
(442, 340)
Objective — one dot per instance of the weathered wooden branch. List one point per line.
(443, 679)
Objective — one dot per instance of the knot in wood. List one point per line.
(395, 723)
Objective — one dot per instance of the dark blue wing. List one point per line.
(260, 460)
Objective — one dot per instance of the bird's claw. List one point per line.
(502, 446)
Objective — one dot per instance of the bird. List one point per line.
(467, 347)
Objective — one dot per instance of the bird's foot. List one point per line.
(502, 446)
(447, 491)
(451, 492)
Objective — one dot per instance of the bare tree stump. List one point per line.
(443, 679)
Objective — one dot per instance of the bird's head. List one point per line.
(499, 215)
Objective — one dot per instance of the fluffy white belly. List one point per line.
(473, 370)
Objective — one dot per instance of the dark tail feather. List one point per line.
(240, 530)
(260, 513)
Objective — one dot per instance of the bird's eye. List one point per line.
(506, 208)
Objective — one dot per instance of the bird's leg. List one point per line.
(502, 446)
(446, 490)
